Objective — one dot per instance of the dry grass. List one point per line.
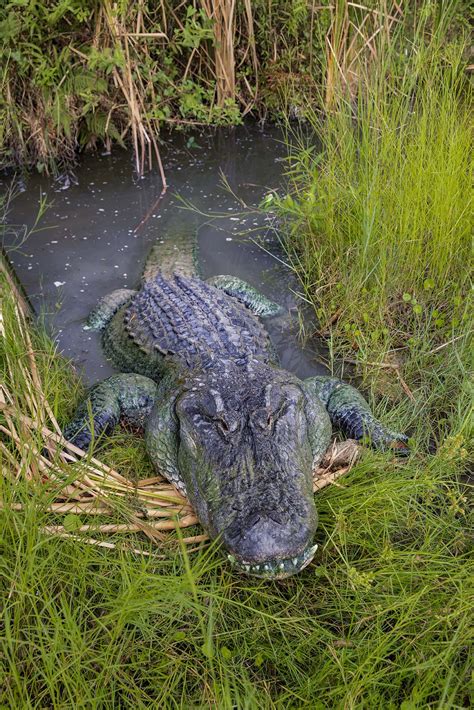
(353, 45)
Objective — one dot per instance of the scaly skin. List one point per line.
(223, 422)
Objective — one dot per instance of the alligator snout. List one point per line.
(264, 539)
(271, 543)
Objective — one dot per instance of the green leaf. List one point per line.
(407, 297)
(207, 649)
(72, 522)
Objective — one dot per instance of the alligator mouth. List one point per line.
(274, 569)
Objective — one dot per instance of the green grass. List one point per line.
(381, 618)
(379, 216)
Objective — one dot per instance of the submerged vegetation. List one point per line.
(376, 226)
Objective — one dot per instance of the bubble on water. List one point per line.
(59, 283)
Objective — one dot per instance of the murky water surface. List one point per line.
(96, 234)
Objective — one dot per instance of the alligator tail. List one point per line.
(175, 253)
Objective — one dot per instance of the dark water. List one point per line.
(96, 234)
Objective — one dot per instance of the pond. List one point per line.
(100, 225)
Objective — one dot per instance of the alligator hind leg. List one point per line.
(107, 307)
(125, 396)
(247, 294)
(349, 411)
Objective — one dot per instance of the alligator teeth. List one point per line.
(231, 558)
(282, 565)
(246, 568)
(312, 550)
(295, 561)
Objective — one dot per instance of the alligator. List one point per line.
(234, 432)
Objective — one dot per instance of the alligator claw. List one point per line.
(400, 446)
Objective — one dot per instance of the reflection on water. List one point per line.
(96, 234)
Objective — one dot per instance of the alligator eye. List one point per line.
(223, 426)
(277, 414)
(209, 418)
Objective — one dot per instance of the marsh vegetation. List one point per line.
(376, 226)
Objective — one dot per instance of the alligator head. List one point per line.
(245, 455)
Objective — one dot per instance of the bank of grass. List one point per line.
(378, 225)
(381, 618)
(82, 74)
(379, 215)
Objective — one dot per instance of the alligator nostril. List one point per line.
(252, 520)
(278, 517)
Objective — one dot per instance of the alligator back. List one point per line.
(188, 321)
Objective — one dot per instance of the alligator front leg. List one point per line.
(125, 396)
(349, 411)
(247, 294)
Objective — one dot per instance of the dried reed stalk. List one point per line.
(352, 47)
(222, 14)
(145, 144)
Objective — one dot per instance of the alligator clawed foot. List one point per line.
(400, 447)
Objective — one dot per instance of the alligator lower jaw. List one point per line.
(274, 569)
